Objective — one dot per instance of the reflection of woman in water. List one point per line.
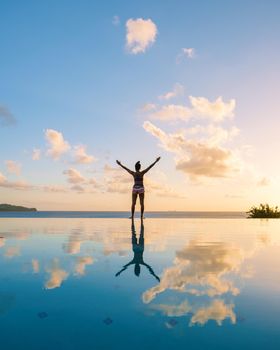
(138, 187)
(138, 250)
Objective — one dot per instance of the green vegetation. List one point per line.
(9, 207)
(263, 211)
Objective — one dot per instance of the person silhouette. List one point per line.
(138, 250)
(138, 187)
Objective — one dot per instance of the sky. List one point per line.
(83, 83)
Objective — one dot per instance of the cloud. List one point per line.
(178, 90)
(172, 112)
(54, 188)
(188, 52)
(6, 117)
(13, 167)
(18, 185)
(196, 158)
(140, 34)
(77, 179)
(73, 246)
(74, 176)
(217, 110)
(57, 275)
(148, 107)
(81, 264)
(264, 181)
(206, 161)
(200, 108)
(217, 311)
(116, 20)
(199, 269)
(116, 180)
(57, 144)
(78, 188)
(173, 310)
(36, 154)
(35, 265)
(81, 157)
(160, 187)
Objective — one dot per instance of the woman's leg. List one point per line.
(134, 198)
(141, 196)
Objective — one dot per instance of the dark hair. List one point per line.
(137, 270)
(137, 166)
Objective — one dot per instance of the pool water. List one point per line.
(170, 283)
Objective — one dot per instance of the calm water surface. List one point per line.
(82, 283)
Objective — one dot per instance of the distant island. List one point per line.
(10, 207)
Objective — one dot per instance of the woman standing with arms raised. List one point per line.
(138, 187)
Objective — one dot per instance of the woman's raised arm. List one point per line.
(149, 167)
(125, 168)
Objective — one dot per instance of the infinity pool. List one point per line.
(170, 283)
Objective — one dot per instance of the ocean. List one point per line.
(99, 282)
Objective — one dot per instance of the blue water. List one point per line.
(124, 214)
(101, 283)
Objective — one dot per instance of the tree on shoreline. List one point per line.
(263, 211)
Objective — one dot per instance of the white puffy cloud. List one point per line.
(177, 90)
(188, 51)
(199, 269)
(81, 264)
(6, 117)
(74, 176)
(172, 112)
(140, 34)
(13, 167)
(36, 154)
(57, 144)
(217, 311)
(57, 275)
(173, 310)
(200, 108)
(81, 157)
(217, 110)
(194, 157)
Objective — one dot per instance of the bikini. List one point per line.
(138, 186)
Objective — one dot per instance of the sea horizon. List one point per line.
(111, 214)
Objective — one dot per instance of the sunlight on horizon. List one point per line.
(86, 84)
